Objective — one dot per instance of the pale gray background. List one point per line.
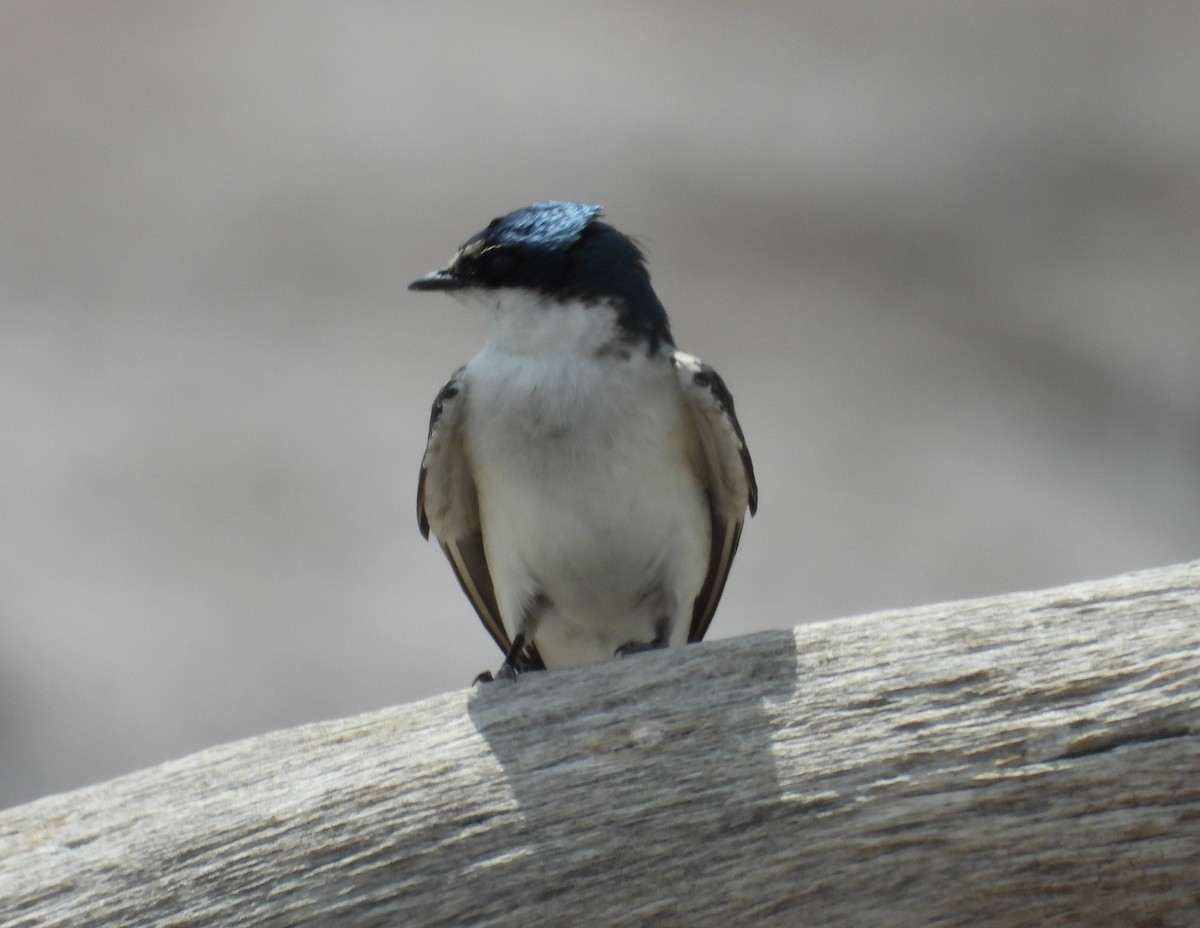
(946, 254)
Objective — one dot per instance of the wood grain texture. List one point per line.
(1031, 759)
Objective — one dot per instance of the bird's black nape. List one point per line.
(608, 265)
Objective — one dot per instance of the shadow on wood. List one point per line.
(1025, 759)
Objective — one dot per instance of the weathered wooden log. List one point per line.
(1031, 759)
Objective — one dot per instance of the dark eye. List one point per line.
(498, 262)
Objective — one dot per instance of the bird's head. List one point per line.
(533, 266)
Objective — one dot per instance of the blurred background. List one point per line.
(946, 254)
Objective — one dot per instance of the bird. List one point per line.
(587, 480)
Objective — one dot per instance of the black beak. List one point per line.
(445, 279)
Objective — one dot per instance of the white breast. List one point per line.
(586, 462)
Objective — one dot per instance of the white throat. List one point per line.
(524, 322)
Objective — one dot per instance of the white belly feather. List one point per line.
(589, 497)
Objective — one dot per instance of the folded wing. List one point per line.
(448, 505)
(730, 477)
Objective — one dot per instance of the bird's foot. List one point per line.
(507, 671)
(661, 639)
(637, 647)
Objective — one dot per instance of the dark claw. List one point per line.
(507, 671)
(662, 630)
(516, 662)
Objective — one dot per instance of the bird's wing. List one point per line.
(448, 505)
(729, 479)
